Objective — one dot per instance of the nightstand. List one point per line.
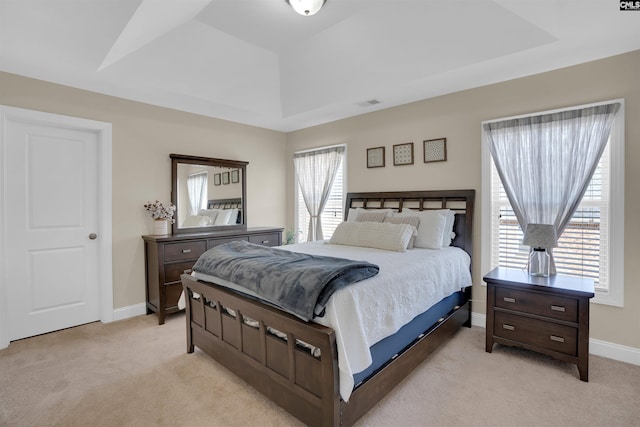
(549, 315)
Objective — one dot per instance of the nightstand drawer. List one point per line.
(265, 239)
(537, 333)
(173, 271)
(553, 306)
(184, 250)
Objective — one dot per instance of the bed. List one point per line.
(295, 363)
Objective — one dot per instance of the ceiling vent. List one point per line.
(369, 103)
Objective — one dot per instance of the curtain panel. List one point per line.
(315, 172)
(197, 189)
(545, 162)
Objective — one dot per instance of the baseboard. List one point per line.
(601, 348)
(129, 311)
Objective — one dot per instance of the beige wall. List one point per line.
(143, 138)
(457, 117)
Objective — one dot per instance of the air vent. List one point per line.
(369, 103)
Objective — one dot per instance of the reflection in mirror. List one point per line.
(209, 194)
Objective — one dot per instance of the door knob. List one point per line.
(93, 236)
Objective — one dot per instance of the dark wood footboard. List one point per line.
(283, 370)
(235, 331)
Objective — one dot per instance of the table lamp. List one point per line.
(540, 237)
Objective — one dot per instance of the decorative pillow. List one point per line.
(196, 221)
(431, 228)
(379, 235)
(371, 215)
(411, 220)
(211, 213)
(223, 217)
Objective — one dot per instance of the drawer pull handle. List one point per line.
(187, 271)
(186, 251)
(558, 308)
(509, 299)
(264, 242)
(508, 327)
(556, 338)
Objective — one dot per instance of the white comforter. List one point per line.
(366, 312)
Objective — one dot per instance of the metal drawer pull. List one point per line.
(556, 339)
(264, 242)
(558, 308)
(509, 299)
(186, 251)
(508, 327)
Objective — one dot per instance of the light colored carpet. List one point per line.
(137, 373)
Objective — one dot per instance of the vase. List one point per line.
(160, 227)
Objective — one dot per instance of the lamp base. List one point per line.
(539, 263)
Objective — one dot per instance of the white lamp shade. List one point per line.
(540, 236)
(306, 7)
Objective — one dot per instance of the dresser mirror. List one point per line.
(209, 194)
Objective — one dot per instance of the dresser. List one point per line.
(549, 315)
(167, 257)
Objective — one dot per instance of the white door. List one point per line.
(51, 227)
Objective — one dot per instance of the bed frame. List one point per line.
(305, 385)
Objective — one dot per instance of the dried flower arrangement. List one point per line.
(160, 211)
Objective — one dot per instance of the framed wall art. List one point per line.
(225, 178)
(403, 154)
(375, 157)
(435, 150)
(216, 179)
(235, 177)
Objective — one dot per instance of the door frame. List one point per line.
(105, 262)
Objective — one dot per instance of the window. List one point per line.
(592, 243)
(332, 214)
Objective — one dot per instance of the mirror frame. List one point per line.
(176, 159)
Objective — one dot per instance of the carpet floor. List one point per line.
(137, 373)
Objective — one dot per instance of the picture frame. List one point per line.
(216, 179)
(225, 178)
(403, 154)
(375, 157)
(235, 176)
(435, 150)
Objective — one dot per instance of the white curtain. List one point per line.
(197, 190)
(315, 172)
(546, 162)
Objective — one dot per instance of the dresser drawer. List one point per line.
(184, 250)
(553, 306)
(211, 243)
(173, 270)
(271, 239)
(537, 333)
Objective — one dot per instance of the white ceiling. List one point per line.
(258, 62)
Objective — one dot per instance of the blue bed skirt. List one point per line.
(384, 350)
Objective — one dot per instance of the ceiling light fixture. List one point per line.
(306, 7)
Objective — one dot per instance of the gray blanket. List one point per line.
(295, 282)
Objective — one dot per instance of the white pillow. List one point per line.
(211, 213)
(196, 221)
(379, 235)
(223, 217)
(448, 234)
(414, 221)
(233, 217)
(431, 228)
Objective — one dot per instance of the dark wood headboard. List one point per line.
(235, 203)
(460, 201)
